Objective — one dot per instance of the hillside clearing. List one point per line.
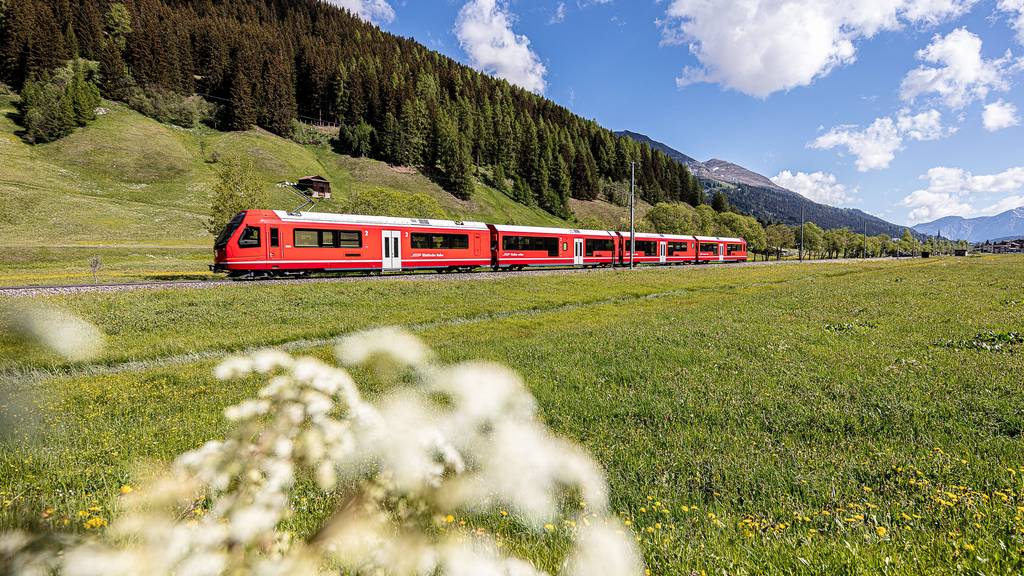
(795, 420)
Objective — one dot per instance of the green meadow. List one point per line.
(841, 418)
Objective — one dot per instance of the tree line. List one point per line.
(269, 63)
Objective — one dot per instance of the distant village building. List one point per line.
(315, 186)
(1003, 247)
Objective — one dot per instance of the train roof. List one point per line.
(543, 230)
(655, 236)
(718, 239)
(328, 218)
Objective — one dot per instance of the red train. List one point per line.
(264, 243)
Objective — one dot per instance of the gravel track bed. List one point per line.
(28, 291)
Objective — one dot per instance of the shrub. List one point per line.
(237, 189)
(387, 202)
(305, 134)
(170, 107)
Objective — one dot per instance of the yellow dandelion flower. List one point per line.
(627, 522)
(94, 522)
(969, 547)
(504, 513)
(650, 530)
(449, 519)
(549, 527)
(127, 489)
(881, 531)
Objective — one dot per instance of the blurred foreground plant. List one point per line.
(446, 440)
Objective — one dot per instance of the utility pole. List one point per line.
(632, 203)
(865, 239)
(801, 232)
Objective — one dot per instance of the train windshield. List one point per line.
(228, 230)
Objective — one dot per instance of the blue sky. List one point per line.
(908, 109)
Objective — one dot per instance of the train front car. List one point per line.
(265, 243)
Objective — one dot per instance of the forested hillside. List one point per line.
(268, 62)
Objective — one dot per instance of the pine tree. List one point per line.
(453, 159)
(46, 111)
(83, 94)
(720, 202)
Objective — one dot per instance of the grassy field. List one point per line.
(135, 193)
(794, 419)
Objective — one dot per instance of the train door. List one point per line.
(663, 252)
(391, 241)
(721, 252)
(274, 246)
(578, 254)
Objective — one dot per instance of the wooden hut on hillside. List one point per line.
(315, 186)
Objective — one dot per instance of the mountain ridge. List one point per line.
(758, 196)
(1006, 224)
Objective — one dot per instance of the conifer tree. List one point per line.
(83, 95)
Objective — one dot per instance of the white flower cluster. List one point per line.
(446, 440)
(54, 329)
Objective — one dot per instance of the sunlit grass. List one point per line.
(740, 429)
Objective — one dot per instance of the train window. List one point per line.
(532, 243)
(328, 239)
(274, 242)
(733, 249)
(709, 247)
(648, 247)
(225, 234)
(307, 239)
(678, 248)
(439, 241)
(250, 238)
(598, 246)
(348, 239)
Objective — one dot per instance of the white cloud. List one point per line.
(1015, 10)
(957, 192)
(763, 46)
(817, 186)
(959, 73)
(484, 30)
(559, 16)
(376, 11)
(999, 115)
(876, 146)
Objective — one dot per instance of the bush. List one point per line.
(386, 202)
(237, 189)
(308, 135)
(170, 107)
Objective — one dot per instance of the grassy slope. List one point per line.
(135, 192)
(785, 420)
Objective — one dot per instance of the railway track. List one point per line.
(70, 289)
